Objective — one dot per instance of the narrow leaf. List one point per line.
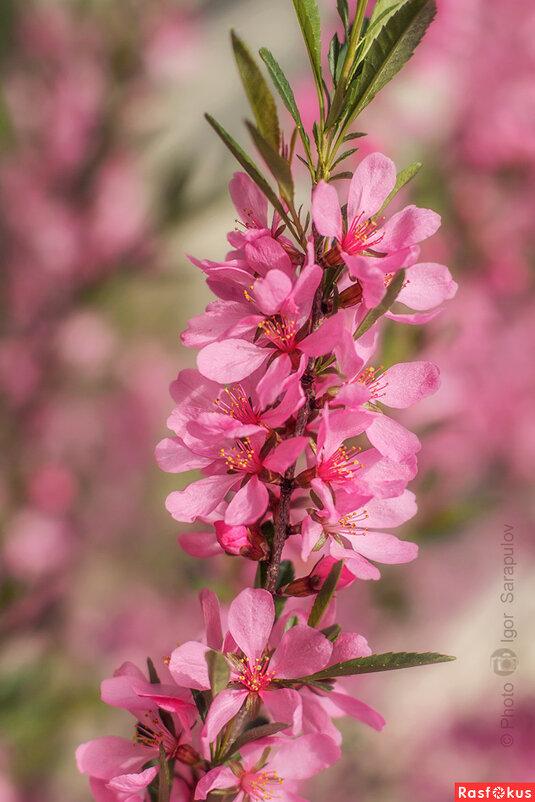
(253, 734)
(355, 135)
(281, 84)
(394, 288)
(249, 166)
(164, 778)
(332, 632)
(199, 697)
(293, 621)
(218, 671)
(277, 164)
(325, 595)
(309, 20)
(344, 156)
(334, 52)
(402, 178)
(338, 176)
(379, 662)
(343, 12)
(390, 50)
(286, 573)
(260, 98)
(153, 674)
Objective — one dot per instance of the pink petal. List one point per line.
(249, 503)
(392, 439)
(250, 203)
(188, 666)
(250, 620)
(370, 275)
(109, 756)
(284, 706)
(199, 498)
(172, 456)
(119, 691)
(292, 402)
(212, 618)
(132, 783)
(271, 291)
(372, 182)
(409, 382)
(324, 339)
(356, 709)
(326, 213)
(220, 777)
(270, 385)
(355, 563)
(383, 548)
(305, 756)
(200, 544)
(230, 360)
(347, 646)
(302, 651)
(427, 285)
(415, 319)
(391, 511)
(224, 707)
(285, 454)
(408, 227)
(265, 255)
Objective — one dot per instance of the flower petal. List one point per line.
(250, 620)
(249, 503)
(188, 666)
(224, 707)
(230, 360)
(326, 213)
(409, 382)
(301, 652)
(372, 182)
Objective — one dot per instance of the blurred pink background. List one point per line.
(108, 175)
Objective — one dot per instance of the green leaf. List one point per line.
(286, 573)
(332, 632)
(343, 12)
(250, 168)
(276, 163)
(394, 288)
(402, 178)
(379, 662)
(293, 621)
(253, 734)
(218, 671)
(338, 176)
(164, 778)
(281, 84)
(355, 135)
(344, 156)
(325, 594)
(390, 50)
(257, 90)
(153, 674)
(199, 697)
(309, 20)
(334, 52)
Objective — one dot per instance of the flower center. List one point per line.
(262, 786)
(341, 465)
(375, 381)
(254, 674)
(363, 234)
(236, 404)
(153, 733)
(351, 524)
(280, 332)
(242, 457)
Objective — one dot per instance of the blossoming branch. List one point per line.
(287, 419)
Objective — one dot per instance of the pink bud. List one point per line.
(231, 538)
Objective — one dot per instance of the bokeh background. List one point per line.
(108, 176)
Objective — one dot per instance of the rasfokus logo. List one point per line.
(494, 791)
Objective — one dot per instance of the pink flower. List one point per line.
(301, 651)
(349, 533)
(115, 764)
(260, 776)
(368, 246)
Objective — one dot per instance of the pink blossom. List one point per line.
(260, 776)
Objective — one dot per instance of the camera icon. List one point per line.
(504, 662)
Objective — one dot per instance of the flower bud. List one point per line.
(232, 539)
